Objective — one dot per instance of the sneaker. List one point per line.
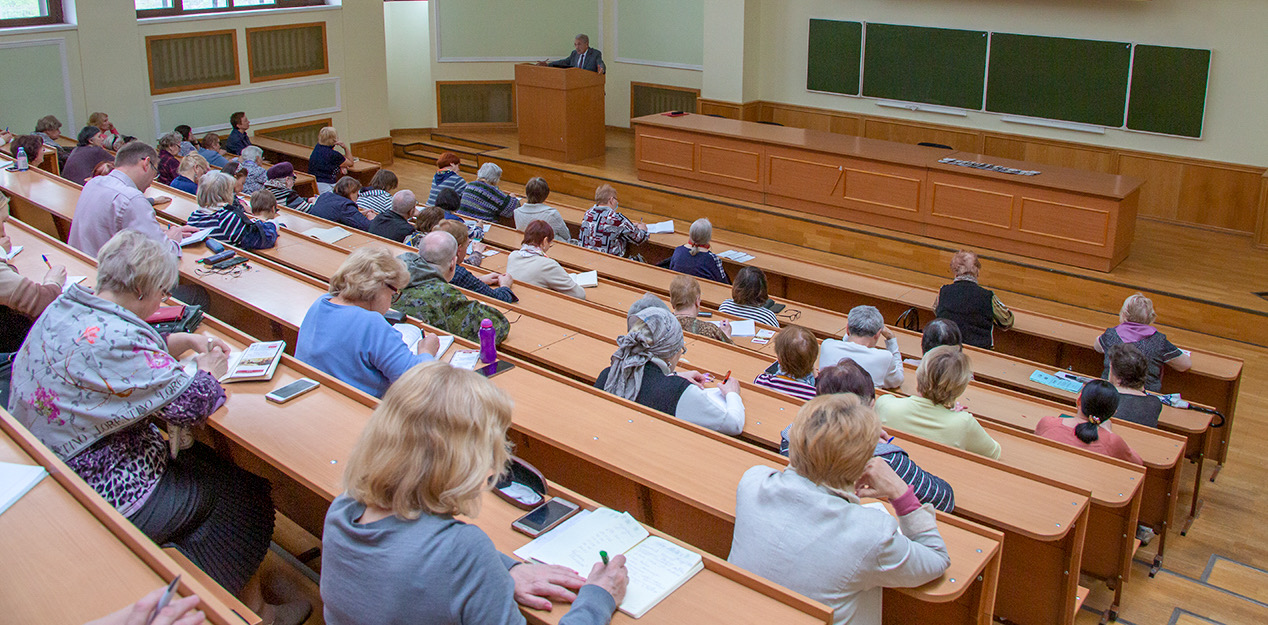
(1144, 535)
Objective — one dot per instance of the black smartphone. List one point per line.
(225, 264)
(544, 517)
(489, 371)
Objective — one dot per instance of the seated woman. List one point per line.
(943, 375)
(91, 379)
(535, 208)
(796, 353)
(340, 205)
(21, 299)
(280, 181)
(447, 176)
(642, 371)
(325, 164)
(848, 377)
(748, 298)
(975, 310)
(86, 155)
(429, 453)
(1090, 427)
(940, 332)
(209, 148)
(219, 210)
(483, 199)
(684, 296)
(376, 197)
(1128, 370)
(193, 166)
(1134, 328)
(424, 222)
(169, 158)
(695, 259)
(803, 527)
(239, 174)
(531, 265)
(114, 139)
(345, 333)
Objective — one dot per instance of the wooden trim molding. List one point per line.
(374, 150)
(1261, 224)
(325, 52)
(149, 59)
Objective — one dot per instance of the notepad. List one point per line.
(16, 480)
(412, 335)
(1051, 380)
(72, 280)
(743, 327)
(765, 334)
(739, 257)
(328, 235)
(12, 252)
(465, 359)
(588, 279)
(661, 227)
(257, 362)
(196, 237)
(656, 566)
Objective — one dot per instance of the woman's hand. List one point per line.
(215, 362)
(879, 480)
(695, 377)
(55, 275)
(179, 612)
(429, 345)
(612, 577)
(729, 386)
(537, 584)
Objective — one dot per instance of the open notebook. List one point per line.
(14, 251)
(589, 279)
(16, 480)
(413, 334)
(656, 566)
(328, 235)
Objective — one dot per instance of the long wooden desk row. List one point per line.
(279, 150)
(620, 455)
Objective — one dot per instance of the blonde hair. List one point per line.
(215, 189)
(832, 438)
(965, 263)
(701, 234)
(327, 136)
(131, 262)
(1138, 309)
(684, 291)
(96, 118)
(432, 443)
(604, 194)
(944, 372)
(191, 163)
(367, 268)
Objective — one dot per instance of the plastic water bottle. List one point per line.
(488, 343)
(23, 163)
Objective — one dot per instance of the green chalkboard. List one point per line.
(1075, 80)
(930, 65)
(1168, 90)
(833, 56)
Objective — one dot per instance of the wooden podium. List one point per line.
(560, 112)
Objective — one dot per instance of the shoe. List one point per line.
(293, 613)
(1144, 535)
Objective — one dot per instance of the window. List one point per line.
(30, 12)
(162, 8)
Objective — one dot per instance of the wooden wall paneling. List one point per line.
(846, 125)
(729, 110)
(1261, 221)
(1004, 147)
(914, 132)
(1160, 195)
(1071, 155)
(374, 149)
(800, 118)
(1219, 196)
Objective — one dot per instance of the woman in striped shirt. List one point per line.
(219, 210)
(797, 351)
(748, 296)
(376, 197)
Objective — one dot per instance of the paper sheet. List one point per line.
(465, 359)
(16, 480)
(661, 227)
(72, 280)
(328, 235)
(743, 327)
(17, 249)
(196, 237)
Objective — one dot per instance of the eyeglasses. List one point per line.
(396, 293)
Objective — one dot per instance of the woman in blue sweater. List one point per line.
(695, 259)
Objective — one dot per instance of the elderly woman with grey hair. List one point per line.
(642, 371)
(483, 199)
(975, 309)
(169, 146)
(257, 174)
(219, 210)
(94, 382)
(695, 259)
(865, 327)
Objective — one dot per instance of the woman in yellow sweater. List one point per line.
(943, 375)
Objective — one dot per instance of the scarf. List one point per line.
(655, 337)
(1132, 332)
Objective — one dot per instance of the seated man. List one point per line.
(605, 230)
(340, 205)
(281, 182)
(394, 224)
(940, 332)
(430, 298)
(864, 329)
(495, 285)
(238, 138)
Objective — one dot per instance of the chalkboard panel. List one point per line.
(930, 65)
(833, 58)
(1168, 90)
(1066, 79)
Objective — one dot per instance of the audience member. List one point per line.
(264, 207)
(449, 201)
(425, 221)
(49, 129)
(495, 285)
(531, 265)
(940, 332)
(187, 140)
(642, 371)
(325, 164)
(113, 140)
(447, 177)
(748, 298)
(430, 298)
(424, 459)
(483, 199)
(802, 527)
(695, 258)
(174, 491)
(943, 375)
(604, 229)
(117, 202)
(1090, 427)
(192, 169)
(648, 300)
(32, 146)
(280, 180)
(1135, 328)
(974, 309)
(209, 148)
(102, 169)
(796, 354)
(534, 208)
(21, 299)
(344, 332)
(219, 210)
(393, 224)
(257, 175)
(340, 205)
(238, 138)
(239, 174)
(684, 296)
(169, 163)
(376, 198)
(86, 155)
(1128, 372)
(865, 327)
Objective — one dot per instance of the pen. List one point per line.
(50, 266)
(727, 378)
(164, 600)
(604, 555)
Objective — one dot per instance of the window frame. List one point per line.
(178, 8)
(56, 15)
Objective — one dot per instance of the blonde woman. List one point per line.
(219, 209)
(803, 527)
(193, 166)
(344, 332)
(695, 259)
(943, 375)
(1135, 327)
(430, 452)
(325, 164)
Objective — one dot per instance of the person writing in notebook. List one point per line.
(430, 452)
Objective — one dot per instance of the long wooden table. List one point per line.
(277, 150)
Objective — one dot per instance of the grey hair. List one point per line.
(403, 202)
(582, 37)
(438, 248)
(701, 233)
(215, 189)
(864, 321)
(643, 303)
(252, 153)
(131, 262)
(169, 140)
(47, 123)
(490, 173)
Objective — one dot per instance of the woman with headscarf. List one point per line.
(642, 371)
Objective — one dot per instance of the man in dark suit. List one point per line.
(583, 56)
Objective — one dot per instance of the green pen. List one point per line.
(604, 555)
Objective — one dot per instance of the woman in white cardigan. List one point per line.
(803, 527)
(531, 265)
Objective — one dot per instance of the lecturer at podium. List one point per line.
(583, 56)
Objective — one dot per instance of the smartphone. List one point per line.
(545, 517)
(704, 313)
(292, 390)
(164, 600)
(225, 264)
(489, 371)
